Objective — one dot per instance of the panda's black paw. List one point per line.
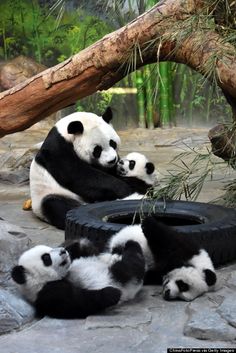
(110, 295)
(119, 249)
(149, 226)
(133, 246)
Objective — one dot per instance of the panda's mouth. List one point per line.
(63, 263)
(121, 171)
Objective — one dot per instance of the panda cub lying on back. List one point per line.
(138, 172)
(62, 284)
(185, 270)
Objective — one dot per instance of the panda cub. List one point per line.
(138, 172)
(75, 166)
(185, 270)
(190, 281)
(61, 285)
(41, 276)
(122, 268)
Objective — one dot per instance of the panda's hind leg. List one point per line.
(131, 266)
(55, 207)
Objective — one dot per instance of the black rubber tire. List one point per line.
(212, 226)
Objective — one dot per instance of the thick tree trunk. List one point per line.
(106, 62)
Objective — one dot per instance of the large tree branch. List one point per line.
(105, 63)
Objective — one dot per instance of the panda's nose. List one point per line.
(167, 294)
(113, 161)
(62, 252)
(121, 162)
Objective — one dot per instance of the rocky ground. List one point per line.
(148, 324)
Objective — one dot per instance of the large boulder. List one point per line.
(13, 242)
(18, 70)
(14, 310)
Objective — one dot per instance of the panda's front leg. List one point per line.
(129, 270)
(101, 187)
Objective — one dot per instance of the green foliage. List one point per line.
(97, 102)
(229, 198)
(196, 100)
(189, 172)
(31, 30)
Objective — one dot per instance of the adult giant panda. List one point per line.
(75, 165)
(182, 266)
(63, 284)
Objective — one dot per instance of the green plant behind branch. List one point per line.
(26, 28)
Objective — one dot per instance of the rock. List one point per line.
(15, 160)
(7, 160)
(13, 242)
(20, 177)
(120, 317)
(231, 281)
(227, 310)
(14, 311)
(206, 323)
(18, 70)
(223, 141)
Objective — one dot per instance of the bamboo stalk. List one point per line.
(209, 101)
(193, 89)
(149, 100)
(140, 98)
(170, 95)
(164, 98)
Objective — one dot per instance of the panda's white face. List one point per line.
(137, 165)
(39, 265)
(94, 140)
(186, 283)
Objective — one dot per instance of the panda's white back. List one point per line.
(42, 184)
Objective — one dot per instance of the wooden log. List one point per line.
(104, 63)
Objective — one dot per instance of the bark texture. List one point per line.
(104, 63)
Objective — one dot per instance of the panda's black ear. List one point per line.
(18, 274)
(107, 115)
(210, 277)
(150, 167)
(75, 127)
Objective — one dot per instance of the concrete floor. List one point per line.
(148, 324)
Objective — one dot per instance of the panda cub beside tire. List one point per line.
(61, 285)
(122, 268)
(138, 172)
(185, 270)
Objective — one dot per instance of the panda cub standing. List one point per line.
(73, 283)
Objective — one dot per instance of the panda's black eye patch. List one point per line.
(113, 144)
(132, 164)
(183, 287)
(46, 258)
(97, 151)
